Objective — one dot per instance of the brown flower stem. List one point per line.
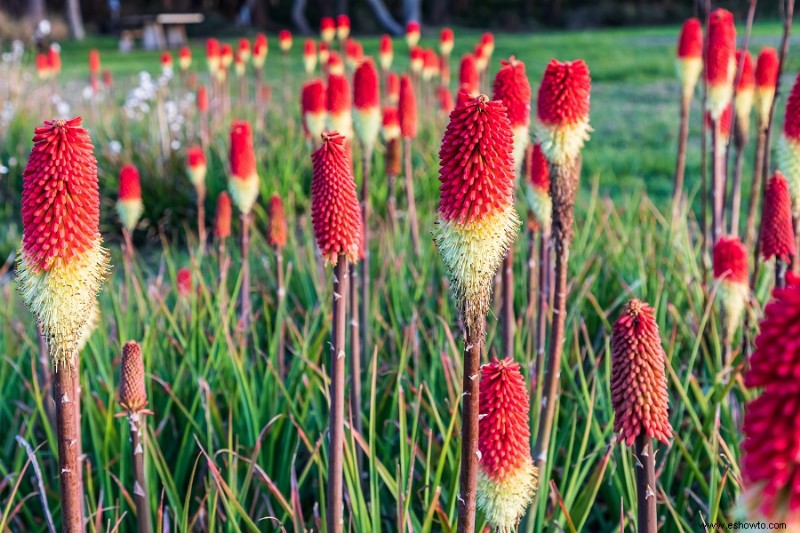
(780, 273)
(705, 9)
(355, 358)
(412, 206)
(467, 498)
(335, 507)
(77, 390)
(563, 189)
(717, 180)
(759, 184)
(542, 304)
(736, 192)
(281, 353)
(68, 461)
(138, 428)
(243, 91)
(680, 165)
(646, 484)
(533, 274)
(508, 303)
(201, 222)
(244, 299)
(392, 203)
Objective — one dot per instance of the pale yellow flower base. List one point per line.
(503, 503)
(244, 192)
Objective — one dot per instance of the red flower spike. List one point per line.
(407, 108)
(312, 103)
(185, 57)
(690, 42)
(539, 201)
(416, 59)
(94, 61)
(777, 231)
(393, 88)
(327, 29)
(446, 41)
(213, 55)
(745, 91)
(511, 87)
(539, 169)
(197, 168)
(335, 64)
(730, 260)
(129, 185)
(391, 123)
(244, 48)
(445, 97)
(468, 78)
(385, 53)
(562, 110)
(183, 279)
(202, 99)
(309, 48)
(720, 61)
(276, 227)
(772, 444)
(430, 64)
(43, 66)
(747, 78)
(338, 105)
(260, 50)
(226, 55)
(412, 33)
(166, 60)
(309, 56)
(791, 124)
(767, 64)
(60, 201)
(285, 40)
(342, 27)
(54, 56)
(335, 211)
(222, 216)
(507, 478)
(638, 380)
(366, 98)
(243, 184)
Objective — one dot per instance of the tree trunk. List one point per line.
(384, 17)
(299, 17)
(75, 20)
(412, 10)
(36, 10)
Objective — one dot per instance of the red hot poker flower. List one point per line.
(407, 108)
(166, 61)
(766, 78)
(202, 99)
(129, 203)
(745, 90)
(243, 184)
(338, 105)
(132, 389)
(213, 54)
(197, 168)
(222, 216)
(285, 40)
(393, 88)
(468, 75)
(446, 41)
(638, 381)
(309, 55)
(342, 27)
(771, 446)
(507, 478)
(690, 43)
(511, 87)
(562, 110)
(730, 269)
(367, 114)
(183, 279)
(313, 108)
(445, 97)
(412, 33)
(327, 29)
(720, 63)
(385, 53)
(391, 123)
(185, 57)
(276, 227)
(789, 145)
(777, 231)
(539, 201)
(335, 212)
(94, 61)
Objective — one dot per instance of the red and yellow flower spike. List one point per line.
(416, 59)
(477, 221)
(276, 222)
(342, 27)
(446, 41)
(770, 468)
(730, 271)
(212, 55)
(197, 168)
(690, 55)
(407, 108)
(366, 100)
(243, 182)
(562, 110)
(412, 33)
(260, 50)
(385, 53)
(539, 201)
(166, 63)
(313, 107)
(335, 64)
(777, 230)
(745, 91)
(430, 64)
(468, 77)
(766, 79)
(129, 202)
(393, 88)
(185, 58)
(62, 263)
(511, 86)
(720, 61)
(285, 41)
(327, 29)
(335, 211)
(338, 105)
(789, 146)
(638, 379)
(226, 55)
(310, 56)
(507, 478)
(244, 49)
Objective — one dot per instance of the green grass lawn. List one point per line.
(234, 446)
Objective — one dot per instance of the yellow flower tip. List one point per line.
(503, 502)
(732, 297)
(521, 141)
(717, 99)
(743, 106)
(689, 70)
(341, 123)
(367, 125)
(472, 253)
(197, 175)
(763, 97)
(63, 298)
(244, 192)
(541, 205)
(789, 163)
(562, 143)
(130, 211)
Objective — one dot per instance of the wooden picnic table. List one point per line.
(164, 30)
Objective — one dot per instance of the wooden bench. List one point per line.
(157, 31)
